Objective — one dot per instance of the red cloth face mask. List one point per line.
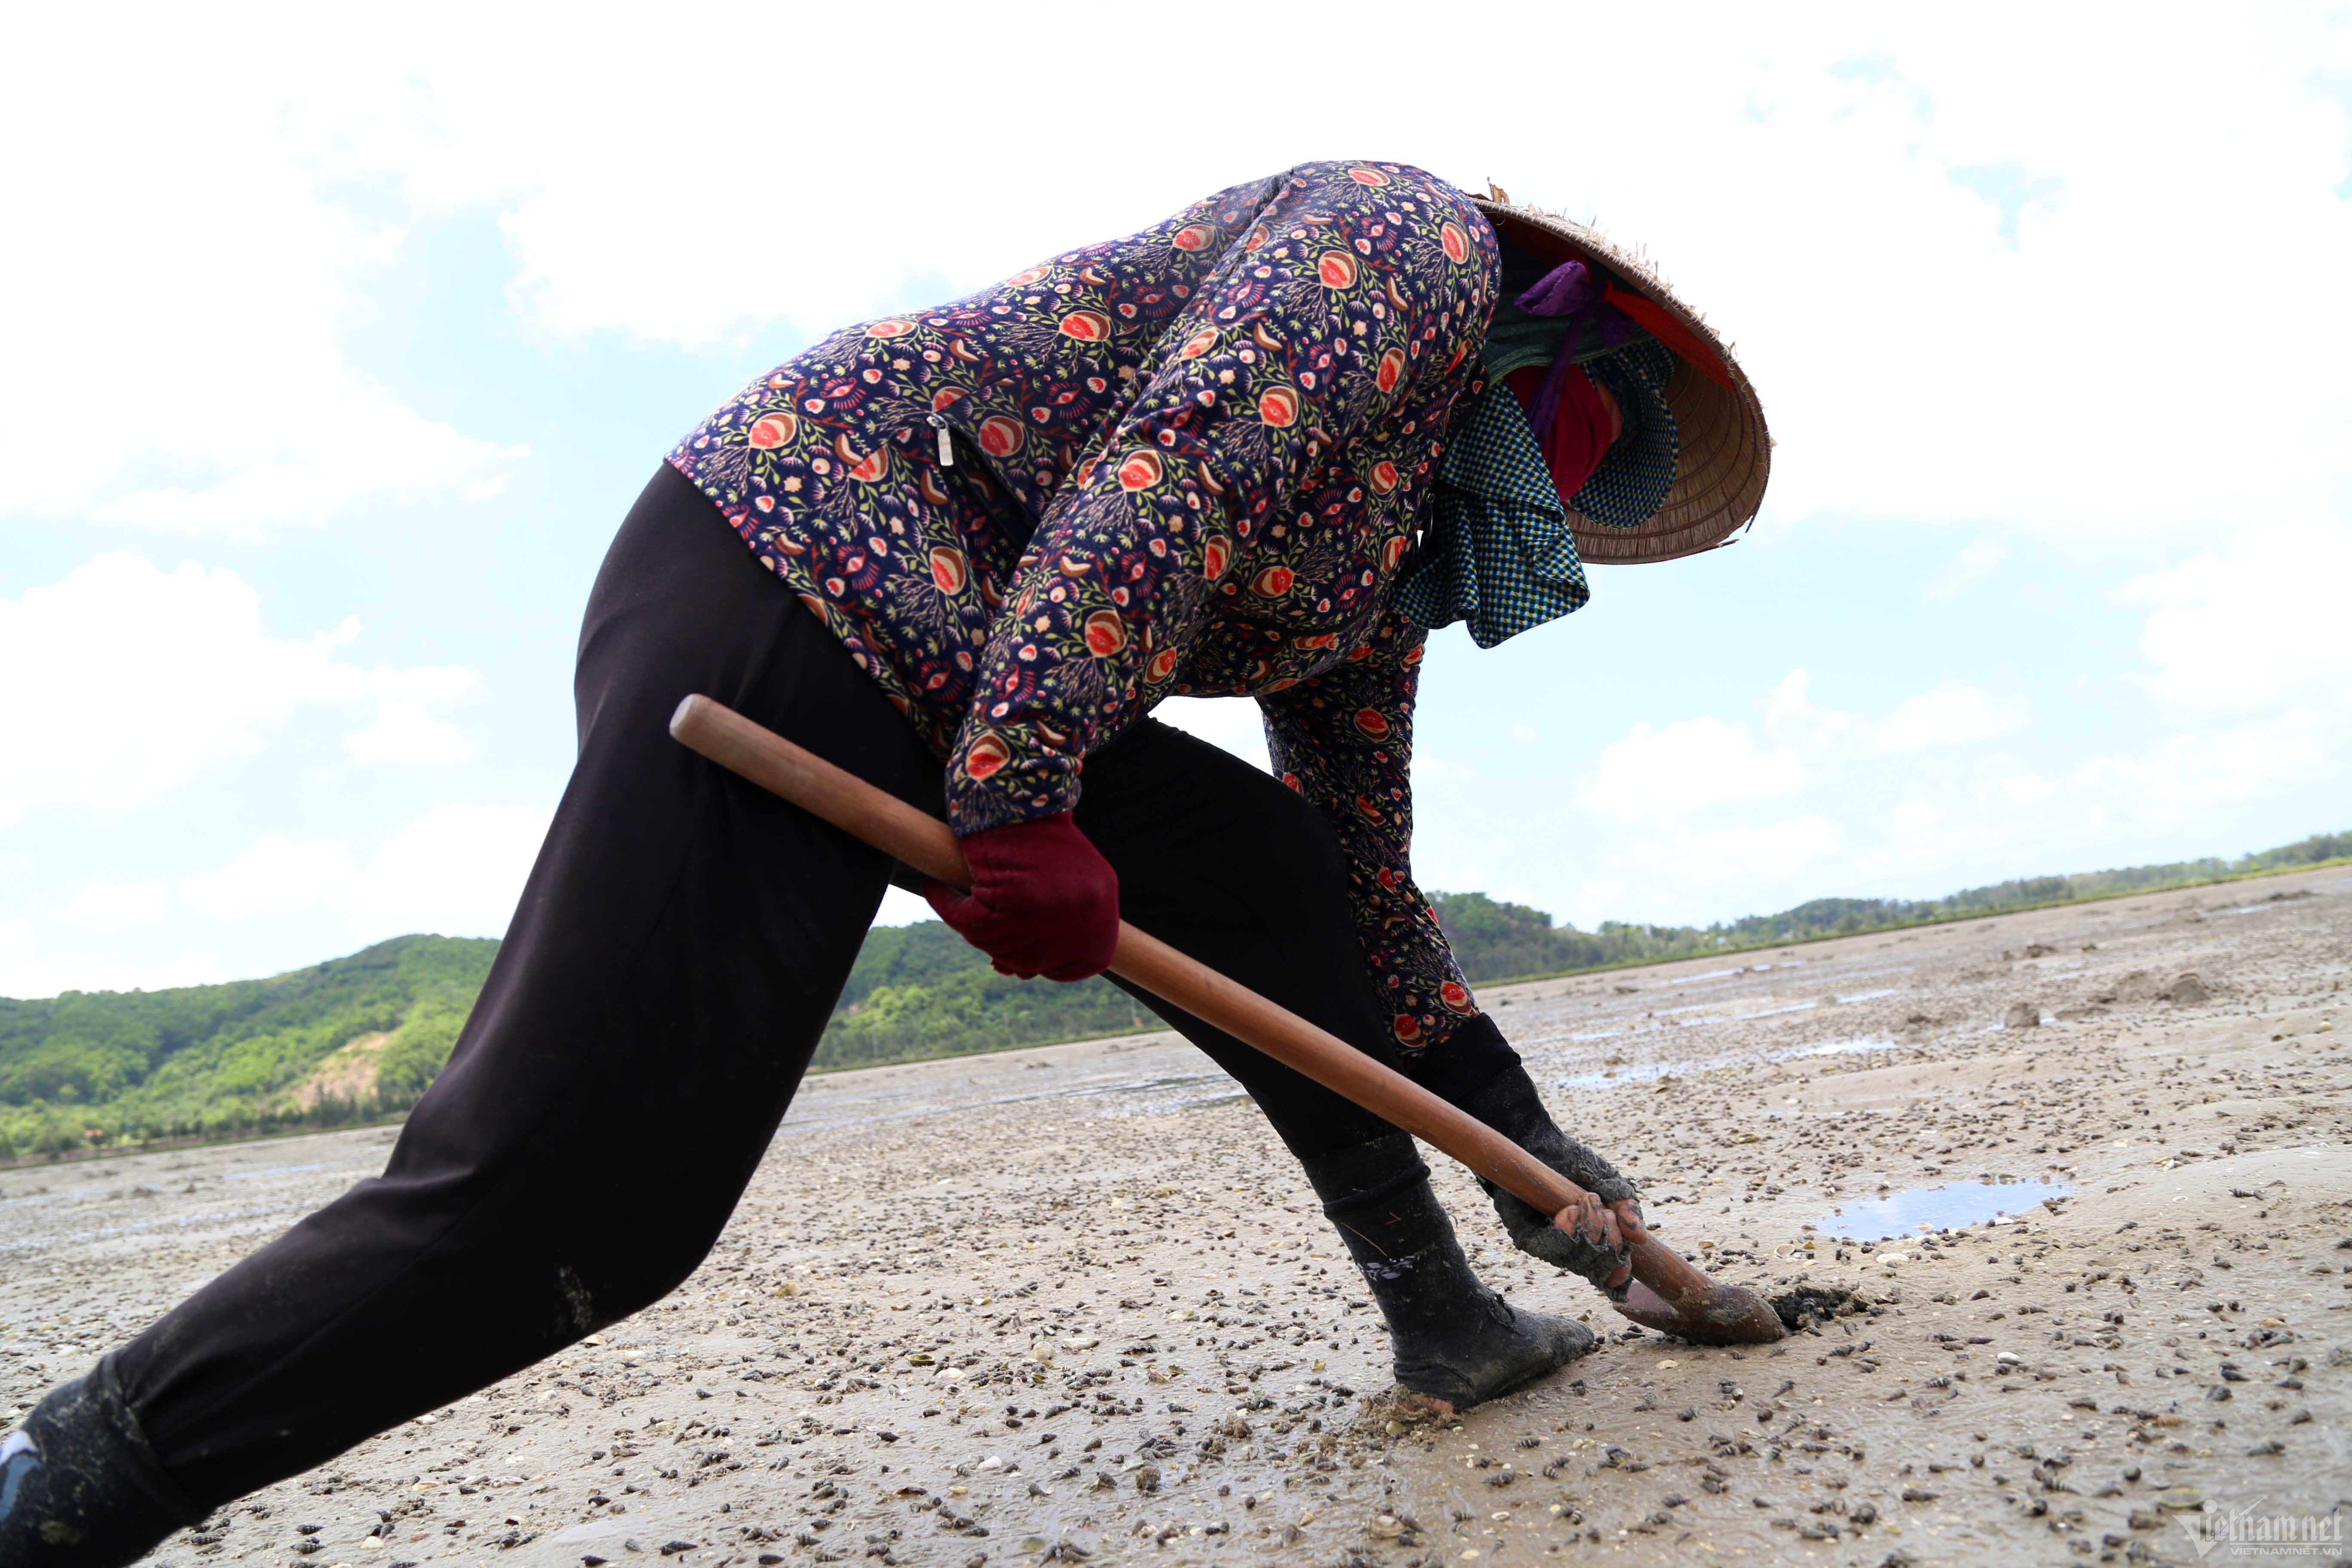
(1581, 429)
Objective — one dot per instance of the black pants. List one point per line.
(677, 952)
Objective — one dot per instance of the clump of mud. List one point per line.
(1399, 1412)
(1809, 1306)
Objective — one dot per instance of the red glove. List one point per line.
(1043, 900)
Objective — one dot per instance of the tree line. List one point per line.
(360, 1037)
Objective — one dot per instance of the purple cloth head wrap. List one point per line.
(1594, 325)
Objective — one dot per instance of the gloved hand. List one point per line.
(1591, 1242)
(1043, 900)
(1591, 1245)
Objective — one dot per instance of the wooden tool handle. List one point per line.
(924, 842)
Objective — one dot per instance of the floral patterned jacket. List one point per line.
(1188, 461)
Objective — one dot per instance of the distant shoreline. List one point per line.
(164, 1145)
(1955, 919)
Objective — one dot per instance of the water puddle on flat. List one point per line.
(1947, 1208)
(279, 1171)
(1631, 1074)
(1837, 1048)
(1174, 1093)
(1644, 1073)
(1121, 1080)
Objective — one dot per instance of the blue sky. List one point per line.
(334, 359)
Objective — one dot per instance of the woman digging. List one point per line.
(1256, 450)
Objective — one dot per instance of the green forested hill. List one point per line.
(351, 1037)
(920, 991)
(1499, 941)
(361, 1036)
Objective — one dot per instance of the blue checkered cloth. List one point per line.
(1632, 481)
(1496, 551)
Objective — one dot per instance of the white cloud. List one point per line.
(1738, 866)
(1596, 901)
(2189, 775)
(124, 680)
(1792, 701)
(403, 731)
(2252, 624)
(1917, 816)
(1952, 714)
(28, 970)
(2025, 789)
(176, 353)
(1965, 314)
(1977, 562)
(1234, 723)
(1776, 850)
(1682, 767)
(457, 870)
(900, 908)
(275, 874)
(1431, 767)
(1962, 314)
(116, 906)
(1926, 795)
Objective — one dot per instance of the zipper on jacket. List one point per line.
(947, 440)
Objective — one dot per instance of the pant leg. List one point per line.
(1230, 865)
(677, 952)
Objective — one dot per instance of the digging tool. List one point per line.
(1667, 1293)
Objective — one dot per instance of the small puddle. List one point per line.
(1937, 1208)
(1837, 1048)
(280, 1170)
(1645, 1073)
(1154, 1084)
(1630, 1074)
(1173, 1093)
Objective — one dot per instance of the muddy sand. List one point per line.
(1075, 1304)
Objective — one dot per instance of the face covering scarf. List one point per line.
(1571, 423)
(1497, 552)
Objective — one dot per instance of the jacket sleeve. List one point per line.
(1343, 297)
(1344, 740)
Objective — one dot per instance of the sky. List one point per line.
(334, 347)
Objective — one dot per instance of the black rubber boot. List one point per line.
(1454, 1338)
(1508, 1103)
(79, 1488)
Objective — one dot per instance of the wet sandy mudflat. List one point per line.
(1075, 1303)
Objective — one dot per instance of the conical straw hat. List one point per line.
(1727, 453)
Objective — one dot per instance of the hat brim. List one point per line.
(1726, 454)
